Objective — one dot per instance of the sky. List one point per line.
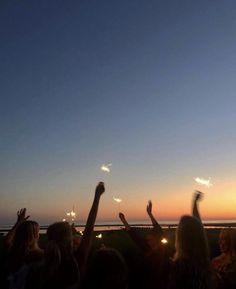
(148, 86)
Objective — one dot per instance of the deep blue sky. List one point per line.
(147, 85)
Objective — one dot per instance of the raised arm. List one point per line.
(21, 217)
(124, 221)
(86, 241)
(139, 241)
(196, 198)
(155, 224)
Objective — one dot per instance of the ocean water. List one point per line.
(115, 225)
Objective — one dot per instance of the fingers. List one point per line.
(21, 215)
(198, 195)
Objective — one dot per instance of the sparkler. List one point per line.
(71, 214)
(99, 236)
(118, 201)
(164, 241)
(106, 168)
(204, 182)
(63, 220)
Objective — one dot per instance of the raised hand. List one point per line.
(21, 215)
(86, 240)
(122, 217)
(149, 207)
(198, 196)
(123, 220)
(100, 189)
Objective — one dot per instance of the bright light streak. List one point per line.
(117, 200)
(81, 233)
(68, 214)
(106, 168)
(164, 241)
(204, 182)
(99, 236)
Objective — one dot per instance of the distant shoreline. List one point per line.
(107, 226)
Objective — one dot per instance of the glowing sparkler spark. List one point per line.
(63, 220)
(72, 213)
(117, 200)
(99, 236)
(81, 233)
(106, 168)
(164, 241)
(204, 182)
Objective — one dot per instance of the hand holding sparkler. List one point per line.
(86, 240)
(100, 189)
(124, 221)
(196, 198)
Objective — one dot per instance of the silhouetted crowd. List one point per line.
(65, 262)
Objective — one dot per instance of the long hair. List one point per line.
(25, 240)
(107, 270)
(191, 242)
(192, 262)
(61, 268)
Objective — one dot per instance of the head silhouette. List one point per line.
(108, 270)
(25, 241)
(60, 265)
(191, 243)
